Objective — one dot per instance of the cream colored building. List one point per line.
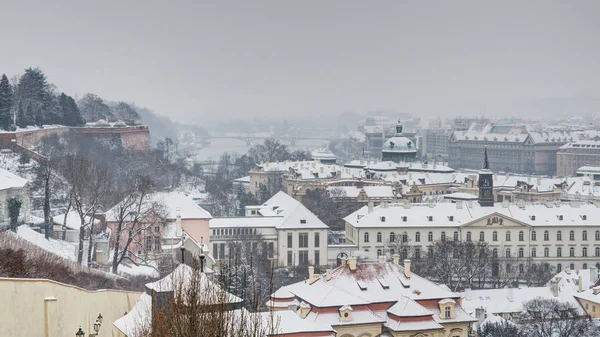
(45, 308)
(13, 186)
(571, 156)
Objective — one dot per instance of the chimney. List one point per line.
(328, 275)
(575, 204)
(554, 287)
(370, 206)
(396, 258)
(407, 268)
(311, 273)
(382, 259)
(596, 290)
(593, 274)
(480, 314)
(304, 309)
(352, 263)
(505, 203)
(344, 261)
(459, 204)
(470, 203)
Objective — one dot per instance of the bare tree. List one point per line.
(549, 317)
(135, 213)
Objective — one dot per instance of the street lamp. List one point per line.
(100, 318)
(97, 326)
(80, 333)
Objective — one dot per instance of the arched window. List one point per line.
(584, 235)
(597, 235)
(495, 252)
(521, 252)
(597, 265)
(572, 236)
(597, 251)
(507, 235)
(559, 252)
(481, 236)
(418, 237)
(559, 267)
(572, 266)
(507, 252)
(443, 236)
(378, 252)
(430, 236)
(495, 236)
(546, 236)
(392, 237)
(468, 236)
(559, 236)
(417, 253)
(585, 266)
(546, 252)
(533, 252)
(521, 236)
(572, 252)
(404, 237)
(533, 236)
(584, 252)
(455, 236)
(404, 253)
(521, 269)
(379, 236)
(366, 238)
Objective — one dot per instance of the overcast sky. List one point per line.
(197, 60)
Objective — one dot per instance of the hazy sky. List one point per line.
(197, 60)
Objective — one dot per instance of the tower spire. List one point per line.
(486, 163)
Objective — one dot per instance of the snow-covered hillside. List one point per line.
(63, 249)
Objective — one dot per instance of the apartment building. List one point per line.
(575, 155)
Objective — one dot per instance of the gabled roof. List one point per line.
(295, 215)
(407, 307)
(10, 180)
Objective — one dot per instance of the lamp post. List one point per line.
(97, 326)
(80, 333)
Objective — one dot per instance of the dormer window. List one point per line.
(560, 217)
(346, 313)
(450, 218)
(447, 308)
(583, 217)
(382, 219)
(404, 218)
(532, 217)
(302, 221)
(430, 218)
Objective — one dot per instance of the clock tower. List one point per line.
(486, 183)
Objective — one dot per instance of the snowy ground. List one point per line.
(63, 249)
(133, 270)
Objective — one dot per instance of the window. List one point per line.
(392, 252)
(455, 236)
(495, 252)
(303, 258)
(222, 250)
(404, 237)
(507, 235)
(404, 253)
(430, 253)
(468, 236)
(271, 251)
(584, 252)
(546, 252)
(366, 237)
(290, 240)
(533, 252)
(443, 236)
(559, 268)
(521, 269)
(379, 252)
(157, 243)
(495, 236)
(392, 237)
(597, 251)
(572, 252)
(430, 236)
(417, 237)
(546, 236)
(572, 266)
(317, 240)
(417, 253)
(585, 266)
(302, 221)
(156, 229)
(559, 236)
(447, 312)
(290, 259)
(379, 237)
(216, 251)
(521, 252)
(572, 236)
(303, 240)
(148, 243)
(597, 235)
(559, 252)
(584, 235)
(481, 236)
(507, 252)
(533, 236)
(521, 236)
(317, 258)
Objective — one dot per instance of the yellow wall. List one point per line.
(592, 309)
(25, 304)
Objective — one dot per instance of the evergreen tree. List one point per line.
(6, 103)
(21, 118)
(93, 108)
(35, 94)
(70, 111)
(14, 210)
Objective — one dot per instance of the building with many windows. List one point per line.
(573, 156)
(291, 233)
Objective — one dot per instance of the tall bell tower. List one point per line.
(486, 183)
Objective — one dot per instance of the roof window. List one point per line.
(303, 221)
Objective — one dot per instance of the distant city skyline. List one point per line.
(203, 61)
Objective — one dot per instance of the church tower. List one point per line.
(486, 183)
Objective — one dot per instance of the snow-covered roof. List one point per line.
(246, 221)
(287, 322)
(583, 144)
(10, 180)
(176, 203)
(73, 220)
(295, 215)
(461, 196)
(438, 214)
(385, 191)
(138, 319)
(61, 248)
(322, 154)
(407, 307)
